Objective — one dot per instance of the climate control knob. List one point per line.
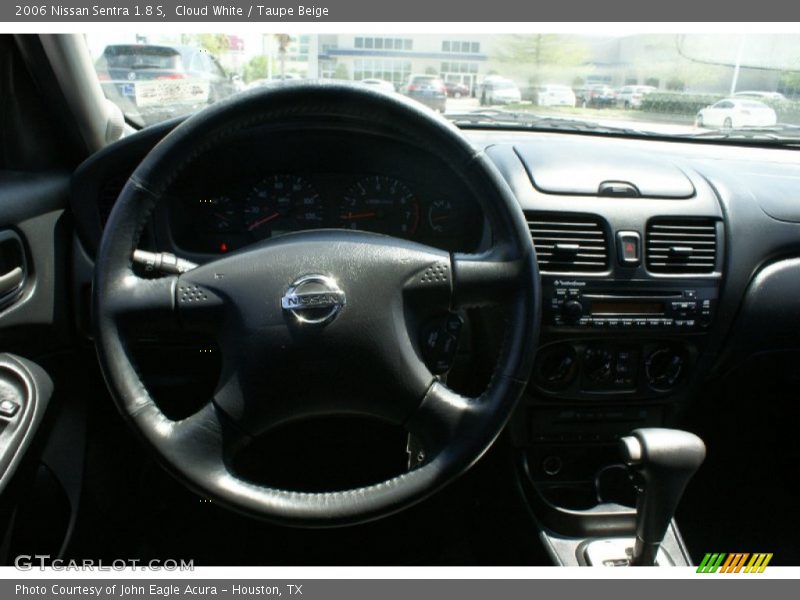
(556, 366)
(597, 364)
(572, 311)
(664, 367)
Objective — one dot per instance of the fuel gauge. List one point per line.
(220, 214)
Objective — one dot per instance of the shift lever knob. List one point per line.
(665, 460)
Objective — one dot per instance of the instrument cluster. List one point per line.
(284, 202)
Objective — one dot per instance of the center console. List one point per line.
(630, 290)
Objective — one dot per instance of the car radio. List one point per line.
(608, 304)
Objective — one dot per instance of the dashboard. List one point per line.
(644, 295)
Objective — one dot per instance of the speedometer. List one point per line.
(283, 203)
(380, 204)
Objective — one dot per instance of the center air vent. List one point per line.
(569, 243)
(681, 245)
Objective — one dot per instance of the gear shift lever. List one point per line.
(665, 460)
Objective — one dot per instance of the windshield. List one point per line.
(714, 86)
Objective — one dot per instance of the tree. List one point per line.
(341, 72)
(256, 68)
(676, 84)
(537, 56)
(789, 83)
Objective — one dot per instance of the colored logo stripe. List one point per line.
(711, 563)
(758, 563)
(734, 562)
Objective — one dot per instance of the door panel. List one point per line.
(34, 243)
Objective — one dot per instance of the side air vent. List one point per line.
(569, 243)
(681, 246)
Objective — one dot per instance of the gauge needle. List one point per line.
(263, 220)
(221, 217)
(362, 215)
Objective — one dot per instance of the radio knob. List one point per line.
(572, 311)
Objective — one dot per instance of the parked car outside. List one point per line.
(379, 84)
(427, 89)
(631, 96)
(734, 113)
(156, 79)
(273, 80)
(597, 96)
(456, 89)
(499, 90)
(552, 94)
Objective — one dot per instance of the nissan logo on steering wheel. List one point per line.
(313, 299)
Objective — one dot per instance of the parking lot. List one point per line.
(612, 117)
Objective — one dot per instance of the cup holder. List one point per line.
(572, 497)
(575, 508)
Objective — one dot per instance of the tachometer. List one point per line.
(380, 204)
(283, 203)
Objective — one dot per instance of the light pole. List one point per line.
(737, 66)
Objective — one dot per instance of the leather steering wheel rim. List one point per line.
(455, 430)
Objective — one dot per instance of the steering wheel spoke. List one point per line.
(140, 300)
(487, 278)
(440, 418)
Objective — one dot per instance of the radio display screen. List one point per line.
(627, 308)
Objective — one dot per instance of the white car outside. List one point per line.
(733, 113)
(555, 95)
(380, 84)
(631, 96)
(500, 91)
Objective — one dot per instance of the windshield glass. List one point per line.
(725, 86)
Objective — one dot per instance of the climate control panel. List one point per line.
(588, 367)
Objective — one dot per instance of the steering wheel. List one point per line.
(332, 316)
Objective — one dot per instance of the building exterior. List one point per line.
(457, 58)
